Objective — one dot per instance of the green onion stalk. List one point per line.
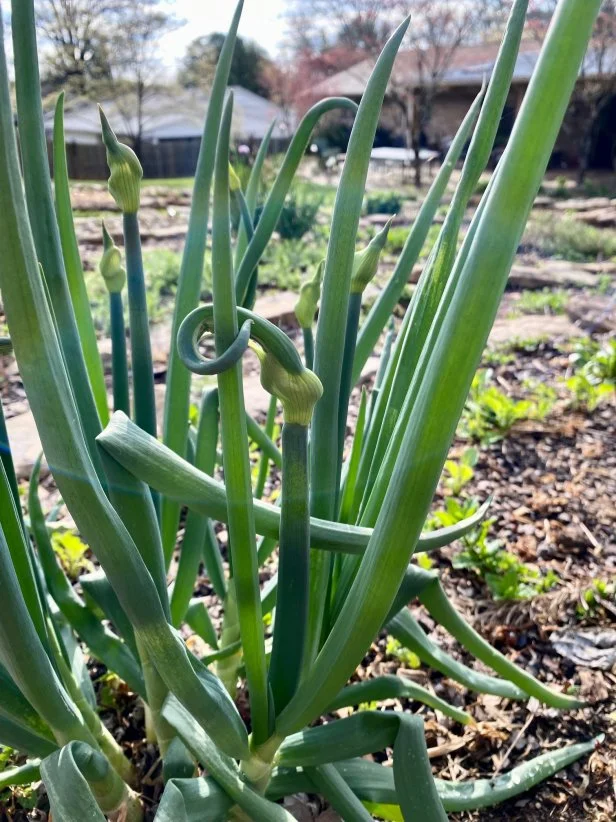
(73, 264)
(298, 389)
(199, 541)
(365, 265)
(114, 276)
(124, 187)
(264, 460)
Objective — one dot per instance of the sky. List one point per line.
(262, 21)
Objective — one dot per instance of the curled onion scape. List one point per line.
(270, 337)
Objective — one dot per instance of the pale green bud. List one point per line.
(234, 180)
(110, 265)
(126, 172)
(309, 295)
(366, 262)
(298, 392)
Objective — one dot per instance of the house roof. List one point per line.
(468, 66)
(172, 114)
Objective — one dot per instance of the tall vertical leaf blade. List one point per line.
(177, 396)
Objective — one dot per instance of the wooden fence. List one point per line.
(165, 158)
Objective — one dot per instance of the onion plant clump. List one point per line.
(348, 520)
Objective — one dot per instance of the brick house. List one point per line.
(459, 84)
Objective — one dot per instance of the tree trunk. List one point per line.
(416, 139)
(586, 136)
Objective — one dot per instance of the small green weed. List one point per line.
(406, 657)
(71, 552)
(490, 414)
(546, 301)
(460, 473)
(498, 356)
(595, 597)
(594, 377)
(504, 574)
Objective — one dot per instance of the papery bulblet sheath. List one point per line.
(126, 172)
(110, 266)
(309, 296)
(366, 262)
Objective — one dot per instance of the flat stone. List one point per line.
(533, 326)
(593, 312)
(582, 203)
(599, 217)
(550, 276)
(604, 267)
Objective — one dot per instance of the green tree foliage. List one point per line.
(247, 68)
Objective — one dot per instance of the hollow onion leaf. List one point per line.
(43, 372)
(74, 268)
(329, 347)
(177, 396)
(81, 784)
(223, 769)
(236, 463)
(160, 468)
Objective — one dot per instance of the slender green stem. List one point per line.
(328, 782)
(103, 645)
(74, 268)
(293, 564)
(234, 438)
(346, 376)
(348, 502)
(197, 616)
(177, 395)
(227, 664)
(435, 600)
(252, 194)
(387, 300)
(245, 215)
(308, 347)
(329, 349)
(157, 692)
(199, 541)
(275, 200)
(119, 364)
(263, 440)
(21, 558)
(270, 421)
(6, 458)
(141, 351)
(101, 734)
(43, 218)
